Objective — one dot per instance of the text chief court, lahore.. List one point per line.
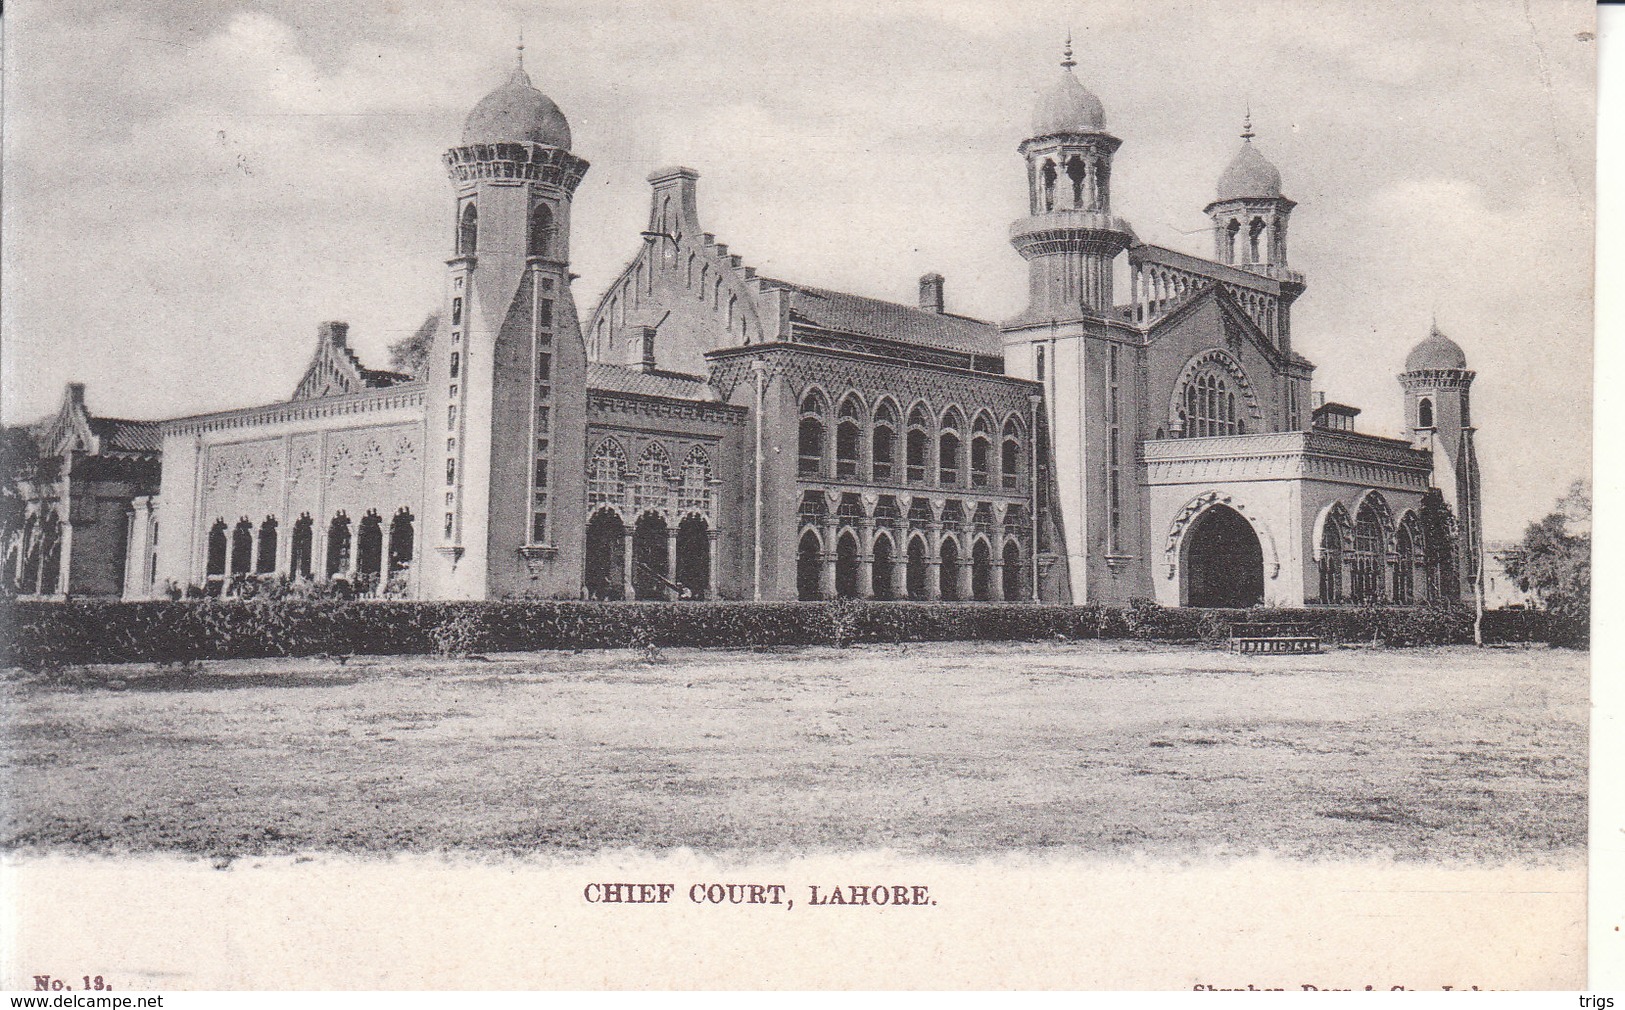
(1144, 428)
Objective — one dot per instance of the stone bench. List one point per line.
(1274, 638)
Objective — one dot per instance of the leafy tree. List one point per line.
(1439, 547)
(19, 462)
(1553, 564)
(411, 354)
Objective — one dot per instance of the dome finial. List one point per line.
(1247, 125)
(521, 47)
(1067, 61)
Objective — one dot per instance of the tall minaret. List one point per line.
(506, 396)
(1438, 414)
(1069, 237)
(1070, 339)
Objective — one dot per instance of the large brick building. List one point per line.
(707, 432)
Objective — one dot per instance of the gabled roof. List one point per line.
(871, 317)
(73, 428)
(625, 379)
(335, 369)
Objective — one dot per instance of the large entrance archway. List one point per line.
(606, 559)
(1224, 563)
(693, 557)
(649, 557)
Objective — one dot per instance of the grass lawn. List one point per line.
(943, 749)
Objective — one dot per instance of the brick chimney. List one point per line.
(334, 332)
(931, 293)
(646, 336)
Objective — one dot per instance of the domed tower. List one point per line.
(1069, 237)
(1250, 216)
(506, 395)
(1438, 413)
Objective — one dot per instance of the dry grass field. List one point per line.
(942, 749)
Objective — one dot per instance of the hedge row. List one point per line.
(48, 634)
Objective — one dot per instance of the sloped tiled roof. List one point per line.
(623, 379)
(118, 434)
(845, 313)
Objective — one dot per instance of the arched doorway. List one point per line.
(1224, 564)
(369, 551)
(846, 565)
(981, 571)
(809, 561)
(917, 569)
(401, 543)
(693, 557)
(606, 557)
(881, 570)
(649, 557)
(1015, 587)
(948, 570)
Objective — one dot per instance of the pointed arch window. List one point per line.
(883, 443)
(1010, 456)
(810, 437)
(1230, 232)
(468, 230)
(695, 495)
(981, 451)
(948, 449)
(1210, 406)
(849, 438)
(541, 230)
(1049, 175)
(1370, 557)
(606, 482)
(1255, 234)
(1331, 561)
(919, 445)
(654, 470)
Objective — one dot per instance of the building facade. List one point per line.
(706, 432)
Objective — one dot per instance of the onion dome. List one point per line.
(1250, 175)
(1068, 107)
(1436, 352)
(517, 113)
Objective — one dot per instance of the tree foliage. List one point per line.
(411, 354)
(1553, 564)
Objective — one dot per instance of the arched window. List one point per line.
(265, 559)
(1424, 413)
(809, 567)
(1076, 172)
(456, 363)
(948, 448)
(242, 547)
(1405, 563)
(981, 450)
(338, 545)
(302, 547)
(1331, 560)
(1370, 556)
(1255, 231)
(1048, 174)
(402, 541)
(606, 481)
(1010, 457)
(1210, 406)
(695, 495)
(541, 230)
(369, 551)
(468, 230)
(1230, 232)
(654, 469)
(849, 438)
(883, 443)
(810, 442)
(919, 445)
(217, 550)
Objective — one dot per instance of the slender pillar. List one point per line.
(627, 592)
(712, 539)
(671, 561)
(996, 590)
(866, 559)
(933, 561)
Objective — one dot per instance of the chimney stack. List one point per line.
(931, 293)
(334, 332)
(647, 362)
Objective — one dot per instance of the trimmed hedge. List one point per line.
(82, 631)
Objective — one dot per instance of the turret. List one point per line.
(1438, 415)
(1069, 237)
(1250, 215)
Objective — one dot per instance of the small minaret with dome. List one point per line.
(1069, 237)
(507, 373)
(1438, 415)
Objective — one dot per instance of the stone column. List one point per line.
(996, 589)
(671, 561)
(627, 592)
(866, 558)
(967, 566)
(712, 538)
(933, 564)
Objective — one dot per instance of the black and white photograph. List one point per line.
(1076, 495)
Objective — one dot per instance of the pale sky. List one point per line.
(190, 188)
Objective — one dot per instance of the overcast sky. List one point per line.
(190, 188)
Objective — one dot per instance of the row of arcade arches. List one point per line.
(372, 554)
(843, 569)
(885, 445)
(651, 559)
